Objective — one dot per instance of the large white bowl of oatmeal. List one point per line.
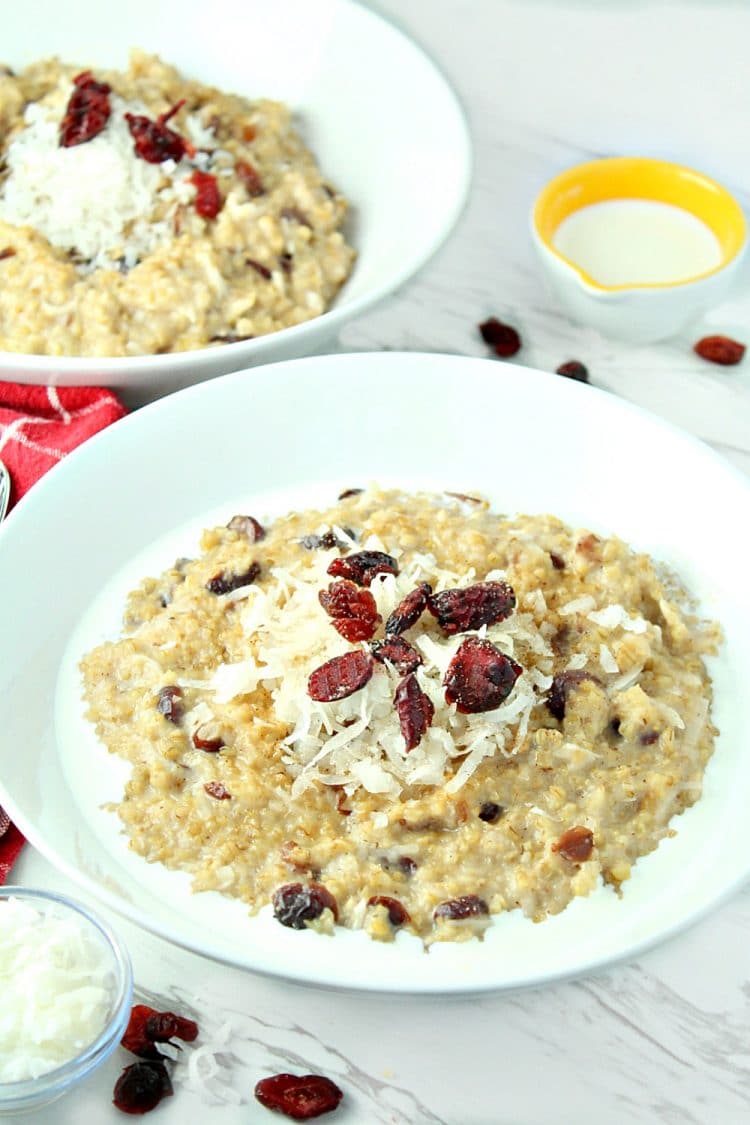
(181, 198)
(408, 739)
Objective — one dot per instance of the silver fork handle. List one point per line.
(4, 490)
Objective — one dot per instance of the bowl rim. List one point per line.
(646, 176)
(29, 1089)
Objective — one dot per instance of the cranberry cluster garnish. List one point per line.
(479, 676)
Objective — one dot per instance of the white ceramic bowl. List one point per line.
(532, 442)
(637, 313)
(375, 110)
(33, 1093)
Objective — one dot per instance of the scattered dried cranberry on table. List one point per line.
(720, 349)
(147, 1027)
(573, 369)
(299, 1096)
(141, 1087)
(502, 338)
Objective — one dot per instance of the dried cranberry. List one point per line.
(398, 915)
(409, 610)
(350, 492)
(720, 349)
(87, 112)
(136, 1038)
(362, 566)
(398, 652)
(295, 904)
(247, 526)
(327, 541)
(169, 703)
(557, 561)
(562, 684)
(208, 198)
(223, 583)
(7, 252)
(299, 1096)
(479, 677)
(576, 844)
(415, 711)
(501, 337)
(141, 1087)
(207, 737)
(162, 1026)
(648, 737)
(354, 612)
(154, 142)
(250, 178)
(259, 268)
(216, 789)
(456, 909)
(340, 677)
(146, 1027)
(490, 812)
(485, 603)
(574, 370)
(405, 864)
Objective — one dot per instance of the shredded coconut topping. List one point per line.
(98, 200)
(357, 741)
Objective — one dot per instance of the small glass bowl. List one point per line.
(32, 1093)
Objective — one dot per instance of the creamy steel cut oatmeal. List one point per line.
(405, 712)
(142, 212)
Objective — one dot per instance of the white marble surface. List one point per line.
(665, 1039)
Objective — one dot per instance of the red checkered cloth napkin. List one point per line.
(38, 426)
